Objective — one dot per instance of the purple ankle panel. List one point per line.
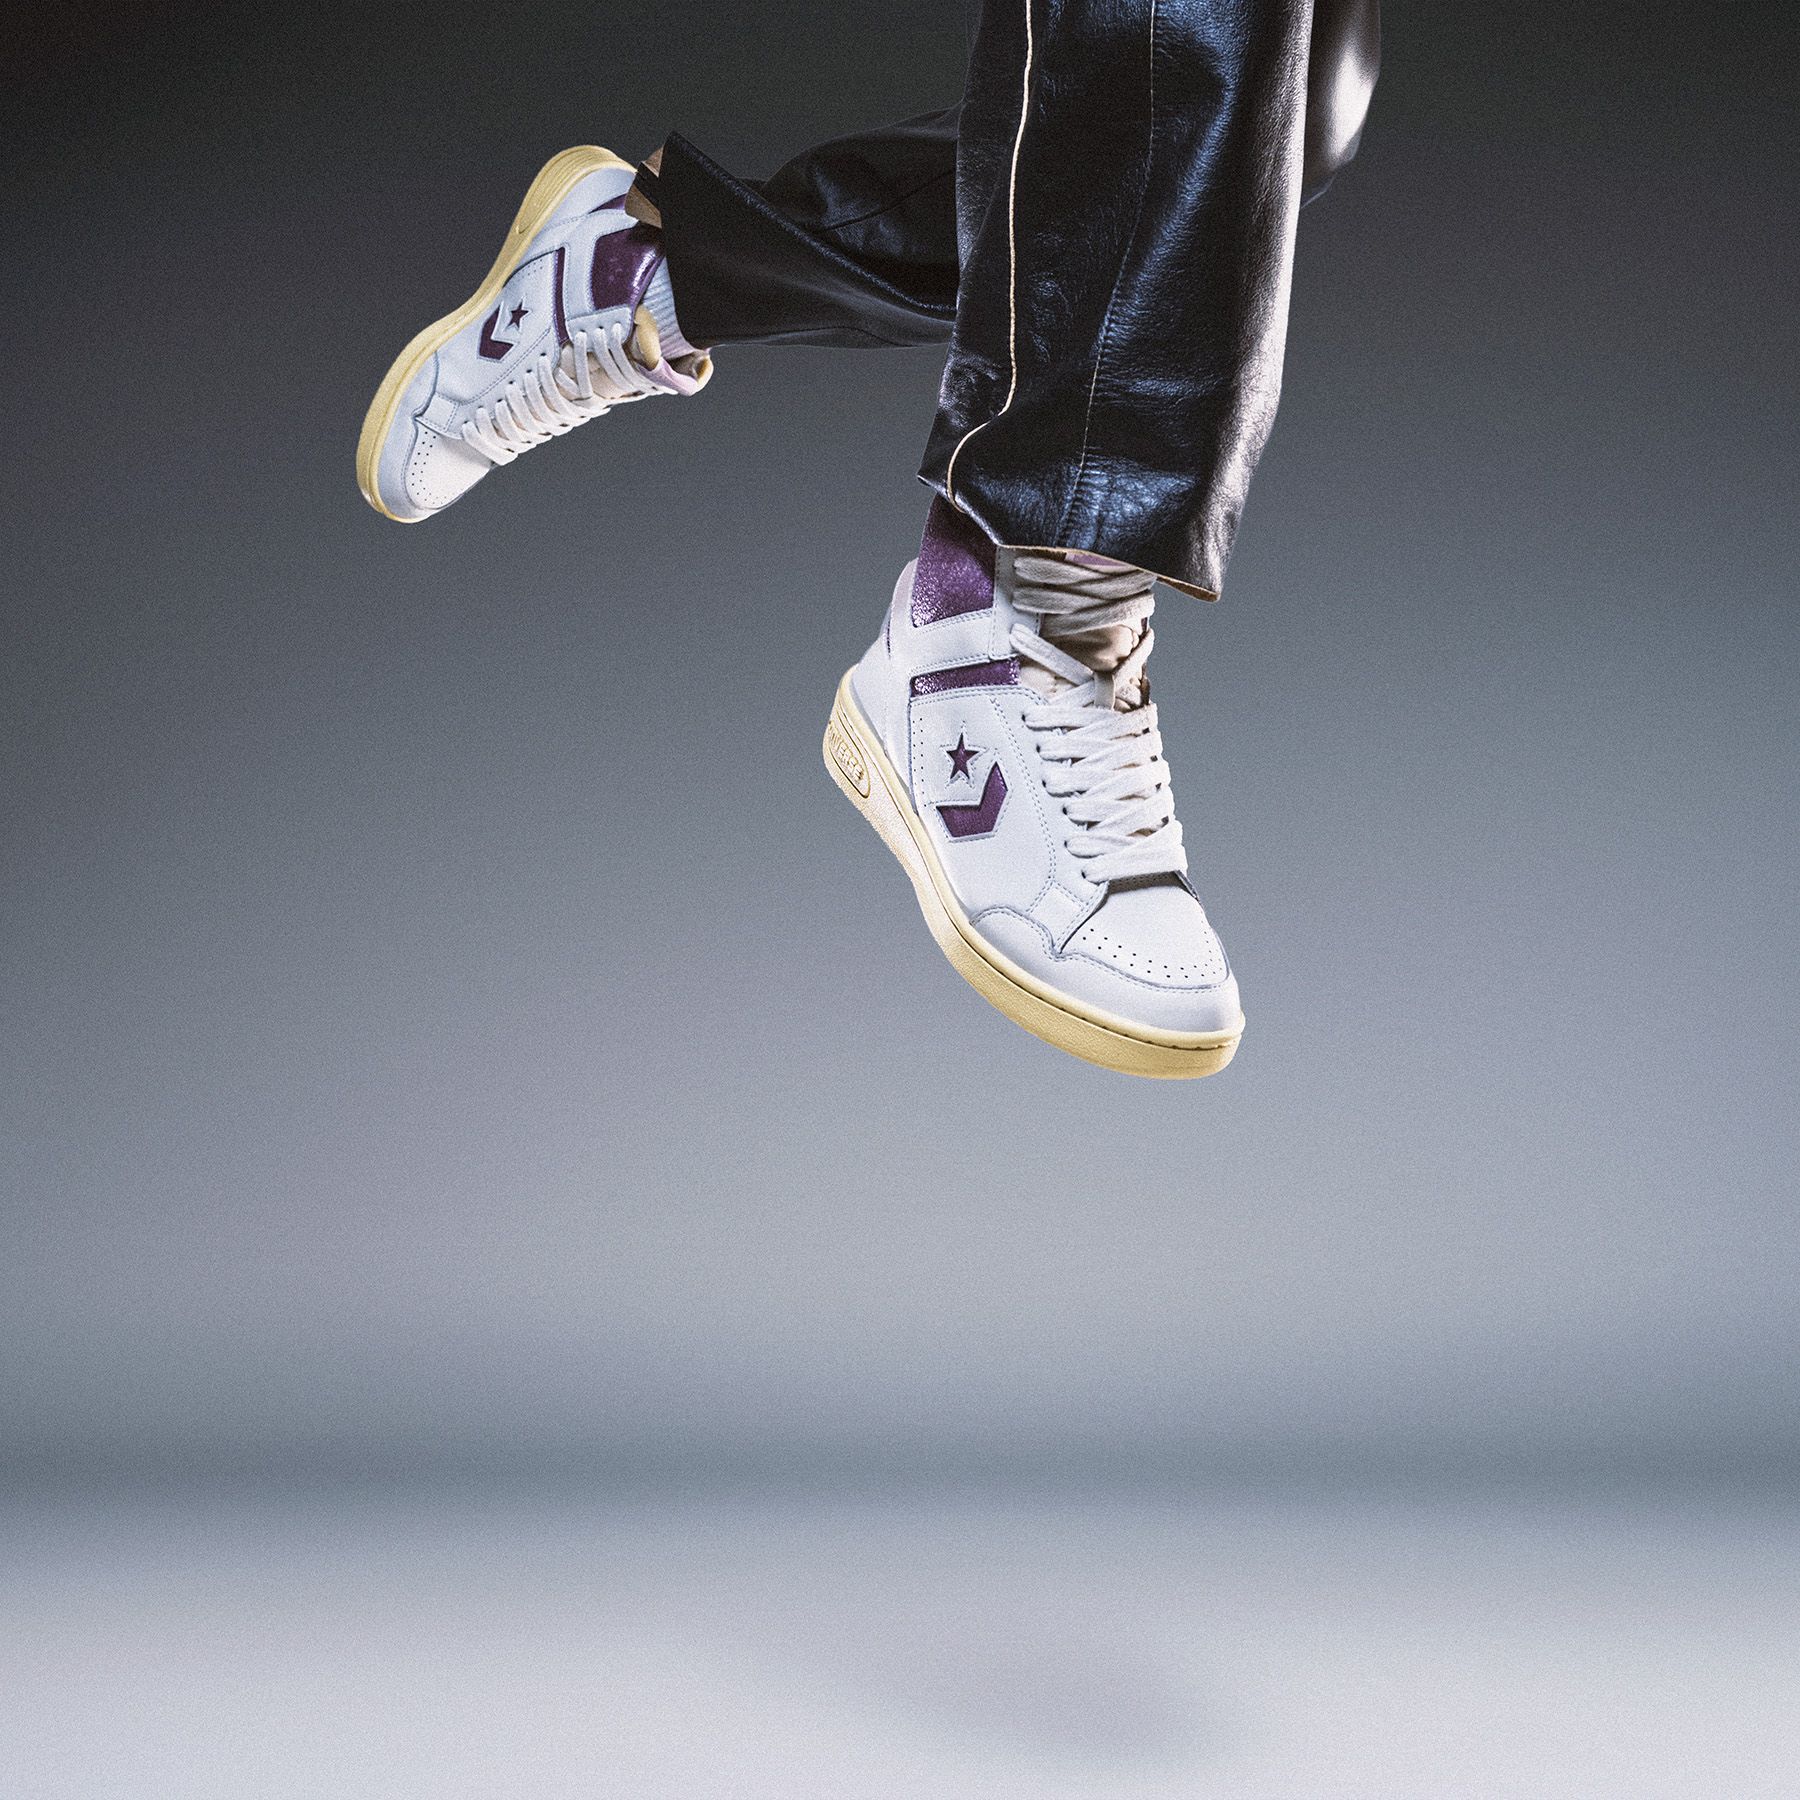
(624, 262)
(956, 566)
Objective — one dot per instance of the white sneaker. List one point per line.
(999, 736)
(571, 321)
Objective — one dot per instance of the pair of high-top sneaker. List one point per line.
(998, 733)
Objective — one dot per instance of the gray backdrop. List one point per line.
(452, 1024)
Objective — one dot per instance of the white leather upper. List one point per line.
(1142, 950)
(425, 464)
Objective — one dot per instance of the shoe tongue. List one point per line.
(1101, 649)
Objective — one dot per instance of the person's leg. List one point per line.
(1128, 180)
(1126, 176)
(1124, 206)
(1132, 175)
(855, 242)
(852, 243)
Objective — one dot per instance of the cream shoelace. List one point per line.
(1096, 730)
(563, 388)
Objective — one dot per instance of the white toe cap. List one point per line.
(439, 470)
(1146, 956)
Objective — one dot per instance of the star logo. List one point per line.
(960, 757)
(518, 313)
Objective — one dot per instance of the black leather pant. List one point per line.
(1104, 231)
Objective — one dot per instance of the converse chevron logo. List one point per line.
(983, 815)
(494, 348)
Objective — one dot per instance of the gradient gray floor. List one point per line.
(985, 1649)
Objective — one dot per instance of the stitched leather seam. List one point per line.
(1112, 299)
(875, 212)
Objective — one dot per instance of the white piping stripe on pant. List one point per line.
(1012, 265)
